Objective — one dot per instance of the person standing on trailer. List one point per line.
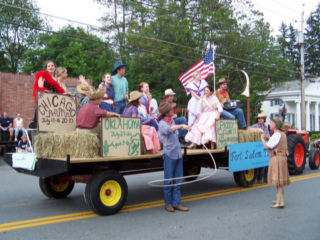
(278, 174)
(172, 157)
(120, 86)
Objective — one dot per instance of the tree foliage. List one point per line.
(17, 32)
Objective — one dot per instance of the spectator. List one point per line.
(6, 125)
(23, 144)
(18, 126)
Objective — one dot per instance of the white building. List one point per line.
(290, 93)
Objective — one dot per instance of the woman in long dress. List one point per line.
(208, 112)
(278, 174)
(196, 88)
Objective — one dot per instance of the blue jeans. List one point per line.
(232, 114)
(172, 169)
(182, 131)
(120, 106)
(154, 124)
(16, 131)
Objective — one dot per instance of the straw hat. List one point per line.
(83, 87)
(95, 94)
(169, 92)
(260, 115)
(116, 66)
(134, 95)
(222, 80)
(277, 121)
(165, 107)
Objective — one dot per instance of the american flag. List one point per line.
(204, 65)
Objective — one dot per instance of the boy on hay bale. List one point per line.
(88, 118)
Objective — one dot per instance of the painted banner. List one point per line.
(245, 156)
(56, 112)
(227, 132)
(120, 137)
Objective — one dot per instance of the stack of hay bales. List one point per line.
(249, 136)
(62, 143)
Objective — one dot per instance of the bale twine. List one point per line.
(62, 143)
(249, 136)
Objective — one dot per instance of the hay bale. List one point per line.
(62, 143)
(249, 136)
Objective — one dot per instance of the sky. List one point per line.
(88, 11)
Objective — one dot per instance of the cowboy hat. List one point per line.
(277, 121)
(165, 107)
(83, 87)
(222, 80)
(134, 95)
(260, 115)
(169, 92)
(116, 66)
(95, 94)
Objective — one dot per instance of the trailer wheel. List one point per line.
(106, 192)
(245, 178)
(56, 187)
(314, 159)
(189, 171)
(297, 154)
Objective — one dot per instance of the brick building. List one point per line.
(16, 94)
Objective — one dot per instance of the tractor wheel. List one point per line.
(56, 187)
(297, 154)
(245, 178)
(106, 192)
(314, 159)
(191, 171)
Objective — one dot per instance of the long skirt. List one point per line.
(205, 130)
(278, 174)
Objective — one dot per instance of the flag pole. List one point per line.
(214, 68)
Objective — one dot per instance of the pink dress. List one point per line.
(205, 130)
(151, 139)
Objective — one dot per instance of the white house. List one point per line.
(290, 93)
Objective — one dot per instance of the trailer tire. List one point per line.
(106, 192)
(297, 154)
(245, 178)
(55, 187)
(314, 159)
(190, 171)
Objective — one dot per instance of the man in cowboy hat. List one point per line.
(223, 96)
(120, 86)
(82, 88)
(168, 97)
(172, 157)
(88, 118)
(260, 126)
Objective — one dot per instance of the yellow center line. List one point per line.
(134, 207)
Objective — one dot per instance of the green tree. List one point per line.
(313, 43)
(17, 33)
(75, 49)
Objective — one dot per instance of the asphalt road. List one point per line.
(218, 210)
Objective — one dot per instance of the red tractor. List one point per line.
(298, 144)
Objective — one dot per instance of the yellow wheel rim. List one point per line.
(249, 175)
(110, 193)
(58, 186)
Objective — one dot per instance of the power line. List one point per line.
(136, 49)
(154, 39)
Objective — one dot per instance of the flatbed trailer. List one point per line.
(106, 190)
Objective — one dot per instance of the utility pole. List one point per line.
(303, 80)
